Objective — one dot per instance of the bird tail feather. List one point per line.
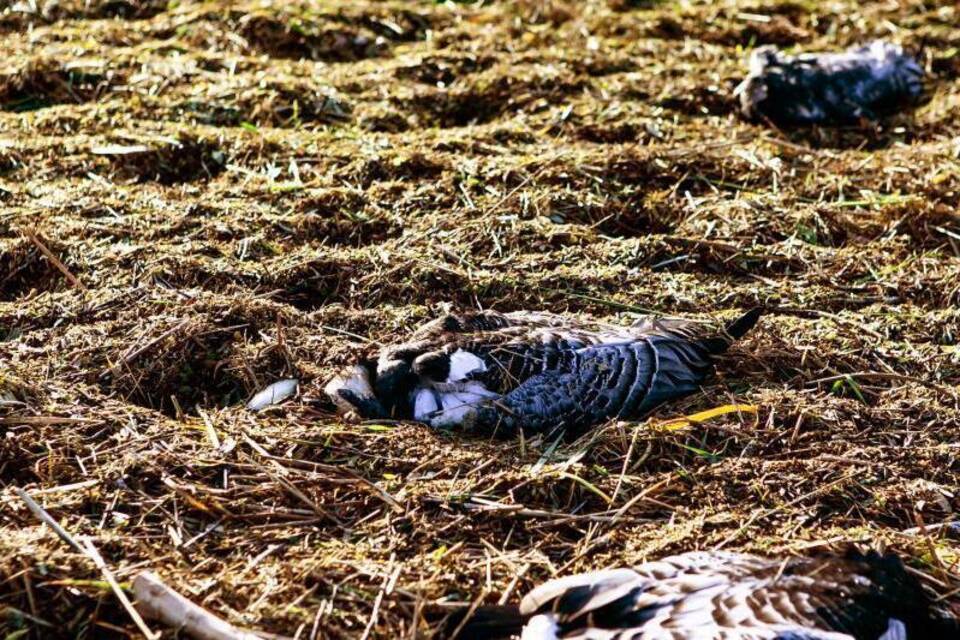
(739, 328)
(717, 344)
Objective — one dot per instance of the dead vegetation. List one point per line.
(242, 193)
(43, 82)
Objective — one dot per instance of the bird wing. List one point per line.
(475, 332)
(625, 380)
(574, 595)
(627, 603)
(882, 73)
(559, 373)
(838, 88)
(513, 355)
(711, 594)
(469, 322)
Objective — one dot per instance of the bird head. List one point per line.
(753, 90)
(395, 381)
(353, 394)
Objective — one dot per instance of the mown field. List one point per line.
(198, 199)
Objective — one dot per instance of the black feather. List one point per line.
(893, 593)
(830, 88)
(742, 325)
(484, 623)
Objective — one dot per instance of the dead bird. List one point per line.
(712, 595)
(860, 83)
(498, 373)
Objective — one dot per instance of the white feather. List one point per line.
(760, 58)
(458, 407)
(273, 394)
(424, 404)
(355, 379)
(542, 627)
(462, 364)
(605, 582)
(896, 630)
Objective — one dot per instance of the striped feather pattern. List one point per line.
(708, 595)
(539, 372)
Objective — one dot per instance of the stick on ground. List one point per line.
(35, 239)
(158, 601)
(91, 552)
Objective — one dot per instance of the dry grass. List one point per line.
(250, 215)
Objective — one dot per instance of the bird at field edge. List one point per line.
(861, 83)
(723, 596)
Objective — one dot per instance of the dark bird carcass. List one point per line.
(861, 83)
(499, 373)
(725, 596)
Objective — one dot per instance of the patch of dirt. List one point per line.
(16, 16)
(745, 30)
(44, 82)
(10, 160)
(488, 99)
(947, 66)
(341, 218)
(299, 39)
(170, 162)
(292, 103)
(776, 30)
(416, 166)
(25, 270)
(711, 100)
(609, 133)
(443, 71)
(200, 367)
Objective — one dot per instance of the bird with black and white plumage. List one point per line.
(861, 83)
(724, 596)
(500, 373)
